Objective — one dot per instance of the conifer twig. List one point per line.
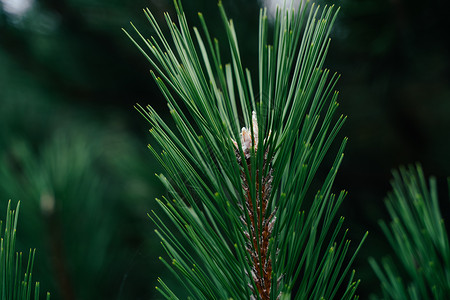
(241, 198)
(418, 235)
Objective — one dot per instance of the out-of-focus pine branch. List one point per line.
(418, 236)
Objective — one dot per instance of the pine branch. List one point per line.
(418, 235)
(241, 199)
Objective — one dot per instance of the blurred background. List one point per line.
(73, 149)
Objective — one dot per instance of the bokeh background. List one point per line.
(73, 149)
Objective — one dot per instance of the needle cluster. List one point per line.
(251, 225)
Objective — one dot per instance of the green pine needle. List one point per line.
(14, 283)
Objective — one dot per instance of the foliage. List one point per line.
(70, 203)
(254, 226)
(14, 285)
(74, 181)
(417, 234)
(65, 63)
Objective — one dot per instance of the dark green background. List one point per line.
(69, 78)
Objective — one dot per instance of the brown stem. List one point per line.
(261, 225)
